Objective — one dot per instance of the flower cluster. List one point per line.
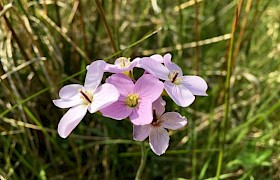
(140, 100)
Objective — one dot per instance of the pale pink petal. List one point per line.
(159, 140)
(172, 120)
(117, 110)
(140, 133)
(109, 67)
(94, 75)
(71, 119)
(117, 69)
(155, 68)
(142, 114)
(179, 94)
(170, 65)
(157, 57)
(65, 103)
(148, 87)
(123, 83)
(137, 60)
(69, 91)
(195, 84)
(159, 106)
(104, 95)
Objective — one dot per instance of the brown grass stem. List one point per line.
(104, 20)
(227, 90)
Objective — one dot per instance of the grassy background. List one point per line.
(232, 134)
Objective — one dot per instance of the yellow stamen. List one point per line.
(123, 62)
(132, 100)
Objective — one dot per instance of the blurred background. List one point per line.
(231, 134)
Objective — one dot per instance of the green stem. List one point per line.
(227, 90)
(144, 154)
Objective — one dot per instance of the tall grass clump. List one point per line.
(233, 133)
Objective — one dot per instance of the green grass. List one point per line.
(232, 134)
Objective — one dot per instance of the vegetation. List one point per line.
(231, 134)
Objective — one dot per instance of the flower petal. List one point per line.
(172, 120)
(155, 68)
(140, 133)
(116, 68)
(104, 95)
(142, 114)
(64, 103)
(118, 110)
(171, 66)
(195, 84)
(123, 83)
(71, 119)
(159, 140)
(159, 106)
(69, 91)
(137, 60)
(94, 74)
(157, 57)
(148, 87)
(179, 94)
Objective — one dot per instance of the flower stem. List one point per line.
(144, 154)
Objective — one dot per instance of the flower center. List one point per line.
(155, 121)
(123, 62)
(173, 77)
(86, 96)
(132, 100)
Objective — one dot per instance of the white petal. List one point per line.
(71, 119)
(140, 133)
(104, 95)
(94, 75)
(155, 68)
(172, 120)
(64, 103)
(179, 94)
(69, 91)
(159, 140)
(195, 84)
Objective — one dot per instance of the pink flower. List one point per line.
(122, 64)
(180, 88)
(158, 135)
(157, 57)
(135, 100)
(82, 98)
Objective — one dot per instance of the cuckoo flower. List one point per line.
(122, 64)
(135, 100)
(157, 57)
(158, 135)
(82, 98)
(180, 88)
